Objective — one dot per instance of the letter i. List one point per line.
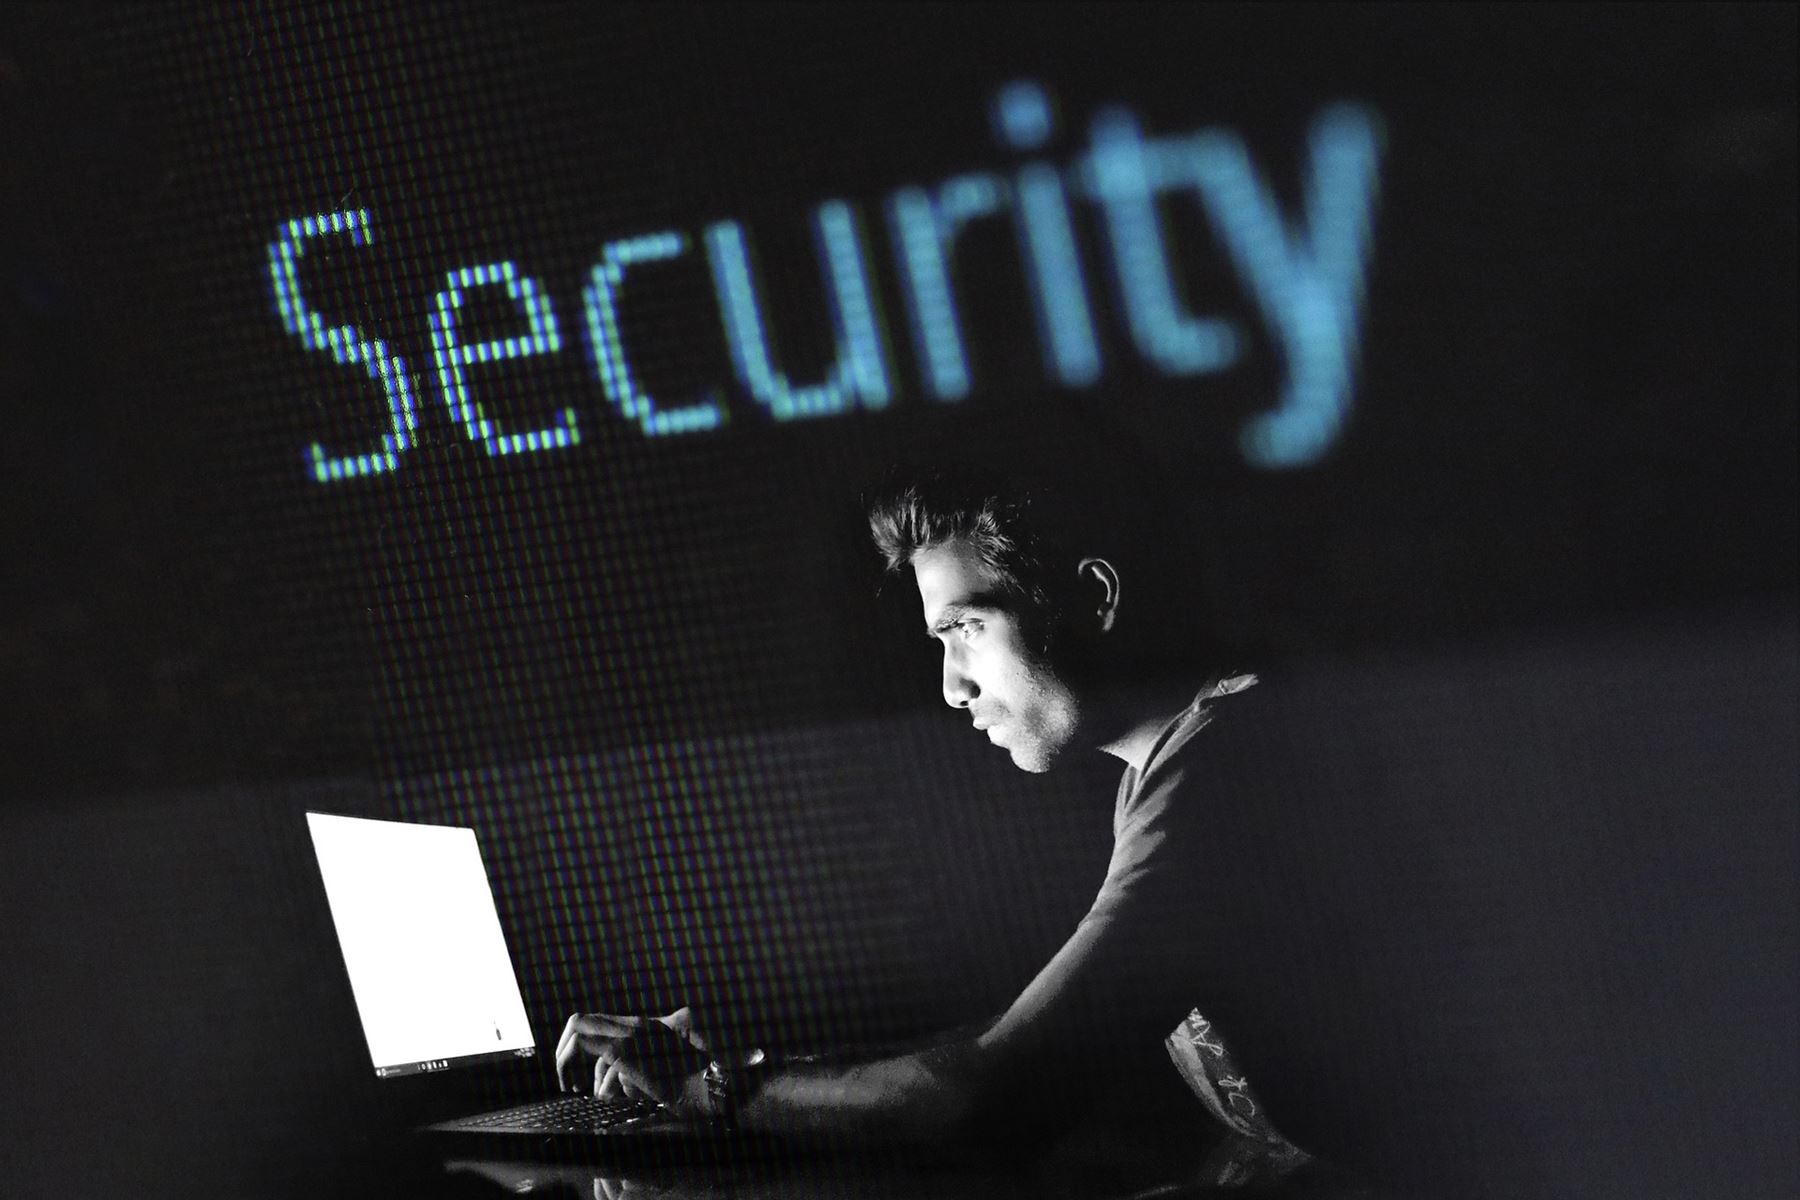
(1024, 120)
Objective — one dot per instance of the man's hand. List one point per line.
(641, 1058)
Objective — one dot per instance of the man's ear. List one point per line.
(1097, 585)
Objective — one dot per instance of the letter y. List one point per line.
(1308, 282)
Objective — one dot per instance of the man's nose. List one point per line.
(959, 689)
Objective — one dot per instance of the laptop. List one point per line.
(436, 992)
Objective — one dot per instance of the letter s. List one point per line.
(346, 343)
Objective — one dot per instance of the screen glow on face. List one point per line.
(990, 669)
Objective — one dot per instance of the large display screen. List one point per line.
(466, 414)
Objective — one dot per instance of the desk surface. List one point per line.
(802, 1181)
(466, 1179)
(1100, 1164)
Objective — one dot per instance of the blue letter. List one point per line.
(601, 300)
(861, 369)
(1024, 119)
(452, 356)
(1309, 281)
(346, 343)
(1126, 175)
(925, 228)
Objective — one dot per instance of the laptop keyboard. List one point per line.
(565, 1114)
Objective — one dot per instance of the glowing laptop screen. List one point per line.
(422, 943)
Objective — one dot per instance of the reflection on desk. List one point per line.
(1093, 1171)
(818, 1180)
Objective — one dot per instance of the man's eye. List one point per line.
(963, 627)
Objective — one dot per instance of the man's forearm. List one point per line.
(856, 1054)
(929, 1096)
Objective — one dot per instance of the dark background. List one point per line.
(1551, 562)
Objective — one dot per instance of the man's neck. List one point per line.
(1135, 721)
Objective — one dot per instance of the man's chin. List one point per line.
(1034, 760)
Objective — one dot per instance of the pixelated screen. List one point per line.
(465, 414)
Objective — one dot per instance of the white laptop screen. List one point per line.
(428, 965)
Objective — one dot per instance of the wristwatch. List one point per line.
(731, 1080)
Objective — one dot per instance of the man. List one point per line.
(1045, 637)
(1329, 880)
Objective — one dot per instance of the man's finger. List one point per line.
(590, 1031)
(566, 1047)
(606, 1085)
(565, 1050)
(605, 1060)
(639, 1084)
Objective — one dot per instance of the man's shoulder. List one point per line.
(1209, 748)
(1224, 709)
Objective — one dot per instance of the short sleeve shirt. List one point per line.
(1158, 842)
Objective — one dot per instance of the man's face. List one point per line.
(991, 666)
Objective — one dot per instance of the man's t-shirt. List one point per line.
(1148, 839)
(1271, 872)
(1265, 900)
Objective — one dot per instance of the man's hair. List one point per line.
(996, 524)
(1035, 509)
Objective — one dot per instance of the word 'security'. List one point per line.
(1306, 276)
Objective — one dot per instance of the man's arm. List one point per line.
(1091, 1023)
(859, 1053)
(927, 1093)
(1092, 1020)
(1075, 1032)
(928, 1096)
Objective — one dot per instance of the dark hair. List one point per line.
(1031, 519)
(943, 508)
(1029, 524)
